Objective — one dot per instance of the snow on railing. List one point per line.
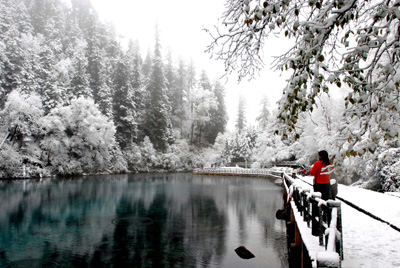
(322, 217)
(240, 171)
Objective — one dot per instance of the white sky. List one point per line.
(181, 24)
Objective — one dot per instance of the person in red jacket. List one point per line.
(321, 171)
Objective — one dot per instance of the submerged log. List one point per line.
(244, 253)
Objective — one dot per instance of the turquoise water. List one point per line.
(141, 220)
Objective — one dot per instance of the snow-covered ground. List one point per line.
(368, 242)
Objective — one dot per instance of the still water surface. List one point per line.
(141, 220)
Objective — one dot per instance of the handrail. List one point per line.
(325, 218)
(239, 171)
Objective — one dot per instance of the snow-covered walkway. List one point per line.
(367, 241)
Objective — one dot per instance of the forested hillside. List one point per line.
(75, 100)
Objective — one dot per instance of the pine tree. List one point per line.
(14, 27)
(173, 91)
(241, 115)
(105, 92)
(48, 19)
(179, 97)
(190, 109)
(218, 115)
(11, 56)
(146, 67)
(263, 117)
(52, 88)
(80, 79)
(124, 105)
(75, 49)
(96, 54)
(134, 61)
(158, 127)
(205, 101)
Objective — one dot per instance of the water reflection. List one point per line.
(146, 220)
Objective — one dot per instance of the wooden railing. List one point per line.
(240, 171)
(323, 219)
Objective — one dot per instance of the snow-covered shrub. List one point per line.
(177, 156)
(269, 149)
(19, 122)
(10, 162)
(170, 161)
(133, 157)
(21, 113)
(119, 163)
(389, 170)
(150, 159)
(78, 138)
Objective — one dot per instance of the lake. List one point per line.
(141, 220)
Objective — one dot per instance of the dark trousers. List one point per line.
(324, 189)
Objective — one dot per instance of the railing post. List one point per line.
(314, 213)
(306, 206)
(321, 226)
(339, 228)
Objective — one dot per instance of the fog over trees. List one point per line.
(74, 100)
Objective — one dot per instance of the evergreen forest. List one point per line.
(75, 100)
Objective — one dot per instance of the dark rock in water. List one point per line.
(244, 253)
(281, 214)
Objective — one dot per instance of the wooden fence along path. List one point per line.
(314, 226)
(237, 171)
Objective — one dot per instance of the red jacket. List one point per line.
(321, 172)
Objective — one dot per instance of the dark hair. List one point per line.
(324, 157)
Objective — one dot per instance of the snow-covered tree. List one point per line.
(221, 150)
(80, 85)
(269, 149)
(146, 66)
(124, 104)
(264, 115)
(179, 97)
(135, 79)
(14, 26)
(336, 43)
(19, 124)
(158, 126)
(218, 115)
(149, 155)
(241, 114)
(177, 157)
(203, 101)
(21, 114)
(389, 170)
(176, 89)
(190, 108)
(78, 138)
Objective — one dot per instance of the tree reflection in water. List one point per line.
(150, 220)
